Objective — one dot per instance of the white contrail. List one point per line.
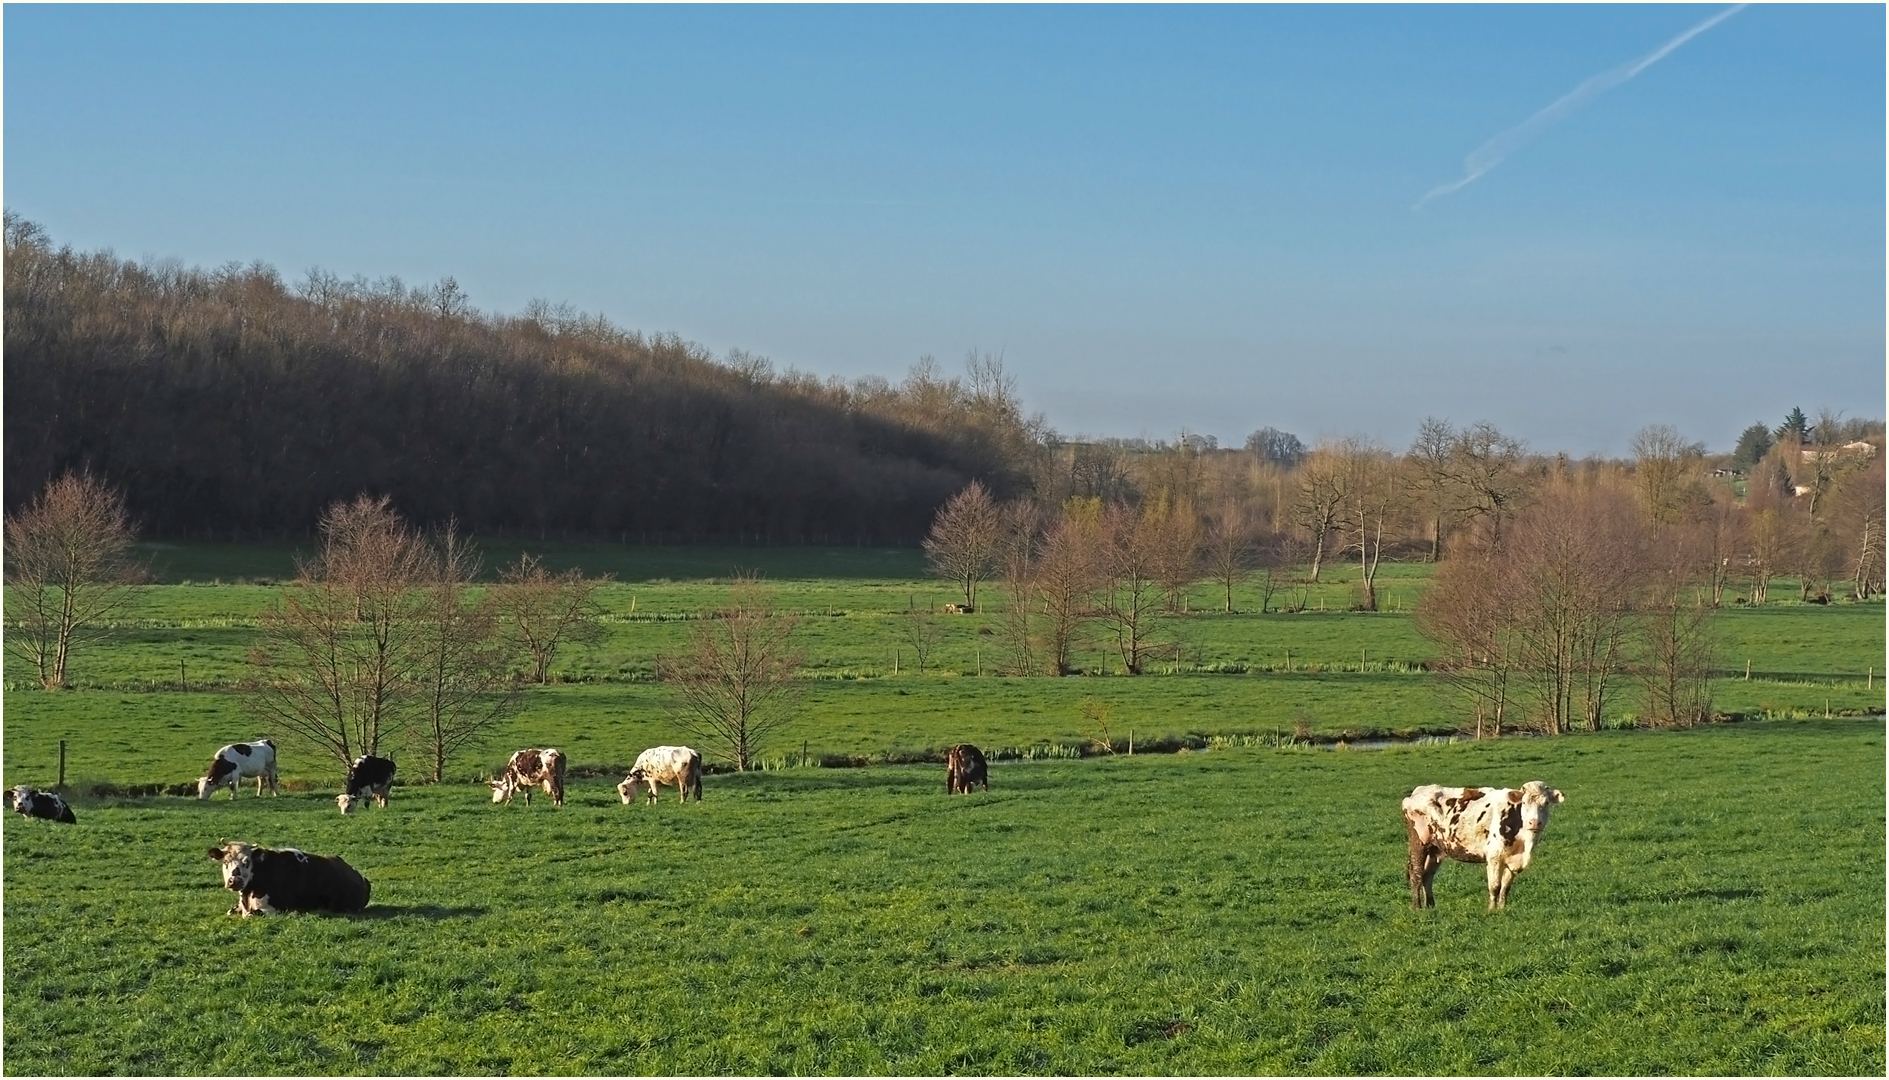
(1490, 154)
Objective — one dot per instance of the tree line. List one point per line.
(1560, 581)
(229, 402)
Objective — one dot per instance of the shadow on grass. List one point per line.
(430, 912)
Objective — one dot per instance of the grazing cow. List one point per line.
(660, 765)
(42, 804)
(237, 762)
(528, 769)
(268, 880)
(367, 776)
(965, 767)
(1495, 826)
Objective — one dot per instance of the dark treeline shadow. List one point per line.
(227, 403)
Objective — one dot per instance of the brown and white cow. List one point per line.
(659, 766)
(268, 880)
(528, 769)
(237, 762)
(965, 767)
(1498, 827)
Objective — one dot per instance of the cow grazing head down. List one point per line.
(659, 766)
(235, 763)
(42, 804)
(368, 776)
(1498, 827)
(965, 768)
(528, 769)
(269, 880)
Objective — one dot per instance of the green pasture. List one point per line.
(153, 702)
(1707, 901)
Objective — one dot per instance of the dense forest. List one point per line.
(227, 402)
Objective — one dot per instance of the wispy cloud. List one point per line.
(1496, 150)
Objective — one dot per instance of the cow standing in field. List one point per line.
(662, 765)
(42, 804)
(269, 880)
(965, 767)
(1498, 827)
(367, 776)
(237, 762)
(528, 769)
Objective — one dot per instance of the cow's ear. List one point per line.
(1515, 795)
(216, 853)
(1555, 796)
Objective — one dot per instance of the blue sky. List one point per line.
(1164, 218)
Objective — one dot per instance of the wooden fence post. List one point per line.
(62, 764)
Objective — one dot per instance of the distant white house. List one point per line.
(1831, 453)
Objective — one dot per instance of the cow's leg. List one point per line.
(1417, 867)
(1497, 883)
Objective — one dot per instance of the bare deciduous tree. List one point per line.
(1431, 484)
(1068, 571)
(463, 674)
(1468, 611)
(919, 628)
(1371, 502)
(68, 565)
(1016, 560)
(1856, 514)
(1228, 548)
(736, 681)
(335, 663)
(1321, 494)
(964, 540)
(545, 611)
(1130, 544)
(1677, 646)
(1487, 473)
(1665, 467)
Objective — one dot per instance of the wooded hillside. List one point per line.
(228, 402)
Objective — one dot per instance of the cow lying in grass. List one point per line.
(42, 804)
(528, 769)
(1498, 827)
(367, 776)
(268, 880)
(659, 766)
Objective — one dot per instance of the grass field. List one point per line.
(1706, 901)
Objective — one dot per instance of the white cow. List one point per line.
(660, 765)
(1494, 826)
(237, 762)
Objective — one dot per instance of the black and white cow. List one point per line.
(237, 762)
(528, 769)
(269, 880)
(367, 776)
(1498, 827)
(42, 804)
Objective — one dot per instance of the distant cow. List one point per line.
(957, 609)
(965, 767)
(528, 769)
(367, 776)
(237, 762)
(42, 804)
(268, 880)
(659, 766)
(1495, 826)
